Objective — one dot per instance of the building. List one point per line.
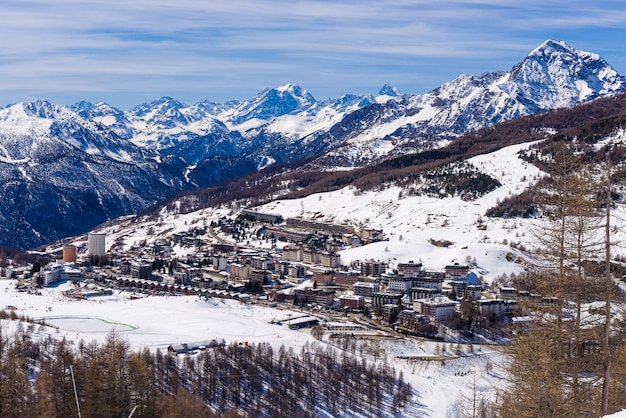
(310, 257)
(240, 271)
(352, 302)
(59, 271)
(366, 289)
(330, 260)
(371, 235)
(334, 229)
(508, 293)
(140, 270)
(439, 308)
(318, 296)
(373, 268)
(457, 271)
(424, 293)
(415, 323)
(409, 269)
(219, 261)
(261, 263)
(400, 284)
(346, 278)
(465, 290)
(283, 234)
(296, 271)
(430, 280)
(495, 308)
(292, 253)
(69, 254)
(386, 298)
(253, 215)
(259, 276)
(96, 244)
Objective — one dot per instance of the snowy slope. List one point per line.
(411, 222)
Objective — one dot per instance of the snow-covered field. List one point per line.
(158, 321)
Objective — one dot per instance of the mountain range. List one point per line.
(65, 169)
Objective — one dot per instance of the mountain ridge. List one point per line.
(168, 146)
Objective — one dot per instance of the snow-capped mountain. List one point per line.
(271, 103)
(28, 130)
(166, 146)
(554, 75)
(61, 173)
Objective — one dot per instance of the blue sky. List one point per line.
(133, 51)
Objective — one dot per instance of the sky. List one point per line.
(126, 52)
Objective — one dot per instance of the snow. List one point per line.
(5, 157)
(155, 322)
(411, 222)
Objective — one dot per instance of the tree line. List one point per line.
(44, 376)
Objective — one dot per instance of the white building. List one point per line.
(96, 244)
(366, 289)
(440, 308)
(400, 284)
(59, 271)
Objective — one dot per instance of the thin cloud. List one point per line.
(228, 49)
